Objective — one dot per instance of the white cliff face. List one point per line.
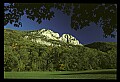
(48, 34)
(69, 39)
(38, 40)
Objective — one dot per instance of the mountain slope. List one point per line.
(103, 46)
(22, 52)
(48, 37)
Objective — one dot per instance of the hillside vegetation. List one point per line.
(22, 54)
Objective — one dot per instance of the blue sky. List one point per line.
(61, 24)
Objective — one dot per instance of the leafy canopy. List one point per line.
(81, 14)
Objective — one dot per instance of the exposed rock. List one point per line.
(48, 34)
(26, 37)
(69, 39)
(38, 40)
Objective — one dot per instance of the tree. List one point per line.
(10, 60)
(81, 14)
(112, 58)
(24, 55)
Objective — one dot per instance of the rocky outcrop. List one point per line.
(69, 39)
(50, 35)
(39, 40)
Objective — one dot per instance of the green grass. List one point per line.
(88, 74)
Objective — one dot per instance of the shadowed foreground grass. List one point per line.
(88, 74)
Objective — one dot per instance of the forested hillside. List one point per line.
(103, 46)
(22, 54)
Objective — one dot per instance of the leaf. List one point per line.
(10, 22)
(113, 36)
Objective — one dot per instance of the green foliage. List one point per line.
(103, 46)
(23, 55)
(81, 14)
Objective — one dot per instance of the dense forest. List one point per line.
(24, 55)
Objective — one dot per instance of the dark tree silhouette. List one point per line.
(81, 14)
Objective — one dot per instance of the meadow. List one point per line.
(87, 74)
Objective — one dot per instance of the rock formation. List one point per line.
(44, 36)
(69, 39)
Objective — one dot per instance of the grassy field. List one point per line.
(88, 74)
